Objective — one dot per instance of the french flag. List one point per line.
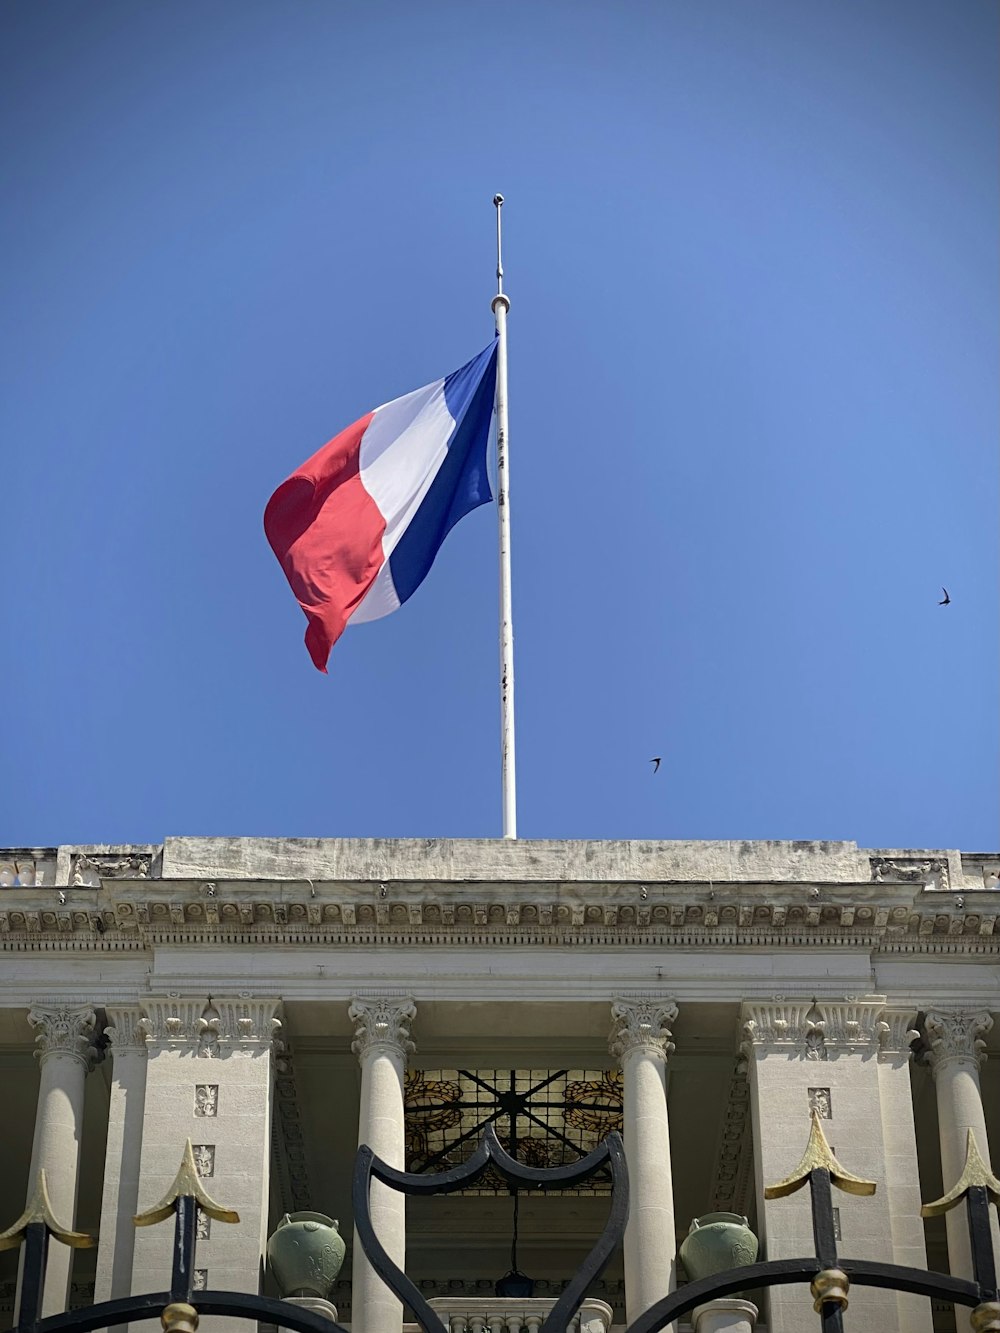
(357, 526)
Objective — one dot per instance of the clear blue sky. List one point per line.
(751, 252)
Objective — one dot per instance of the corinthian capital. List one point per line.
(641, 1024)
(956, 1034)
(64, 1031)
(382, 1022)
(124, 1033)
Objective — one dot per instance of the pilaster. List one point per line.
(835, 1057)
(896, 1033)
(120, 1200)
(209, 1079)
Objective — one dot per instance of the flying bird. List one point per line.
(656, 763)
(947, 599)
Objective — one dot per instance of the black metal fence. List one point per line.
(828, 1275)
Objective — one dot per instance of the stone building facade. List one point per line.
(278, 1002)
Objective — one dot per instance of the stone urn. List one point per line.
(305, 1254)
(716, 1242)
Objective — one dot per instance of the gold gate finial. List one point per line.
(975, 1172)
(819, 1156)
(39, 1209)
(186, 1182)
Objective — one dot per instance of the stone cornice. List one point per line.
(382, 1023)
(64, 1031)
(955, 1036)
(880, 917)
(641, 1023)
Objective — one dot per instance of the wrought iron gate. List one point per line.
(828, 1276)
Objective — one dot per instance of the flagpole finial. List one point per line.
(498, 204)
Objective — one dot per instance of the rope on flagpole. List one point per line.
(500, 307)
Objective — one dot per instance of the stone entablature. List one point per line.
(124, 915)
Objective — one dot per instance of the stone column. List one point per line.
(120, 1202)
(381, 1043)
(824, 1056)
(64, 1037)
(955, 1049)
(640, 1040)
(208, 1079)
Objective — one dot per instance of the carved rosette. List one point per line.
(641, 1025)
(124, 1031)
(956, 1035)
(382, 1024)
(64, 1031)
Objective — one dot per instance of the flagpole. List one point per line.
(500, 306)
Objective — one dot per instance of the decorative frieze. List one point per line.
(956, 1035)
(64, 1031)
(910, 870)
(641, 1023)
(382, 1022)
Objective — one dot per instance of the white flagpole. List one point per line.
(500, 307)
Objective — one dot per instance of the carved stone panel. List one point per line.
(206, 1099)
(204, 1159)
